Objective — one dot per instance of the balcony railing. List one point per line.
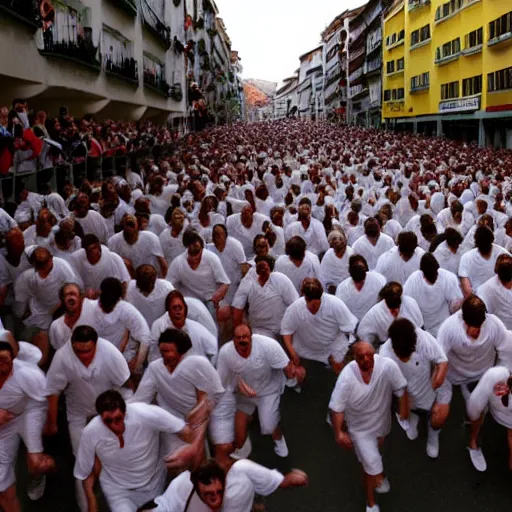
(357, 53)
(155, 25)
(156, 83)
(26, 11)
(127, 69)
(417, 4)
(358, 73)
(75, 48)
(507, 36)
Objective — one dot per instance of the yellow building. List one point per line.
(447, 69)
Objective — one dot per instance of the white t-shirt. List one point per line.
(314, 235)
(361, 301)
(483, 395)
(498, 300)
(367, 407)
(198, 312)
(434, 300)
(478, 269)
(151, 306)
(202, 282)
(418, 370)
(138, 463)
(176, 392)
(93, 223)
(447, 259)
(145, 251)
(370, 252)
(310, 267)
(267, 303)
(262, 370)
(245, 236)
(469, 358)
(375, 324)
(41, 294)
(320, 335)
(334, 270)
(171, 246)
(109, 265)
(243, 481)
(82, 385)
(394, 268)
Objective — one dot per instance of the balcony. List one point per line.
(472, 50)
(507, 36)
(441, 61)
(27, 12)
(358, 73)
(129, 6)
(125, 69)
(417, 4)
(156, 83)
(155, 25)
(356, 54)
(420, 88)
(420, 44)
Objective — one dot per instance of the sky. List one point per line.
(270, 35)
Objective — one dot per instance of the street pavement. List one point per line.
(418, 484)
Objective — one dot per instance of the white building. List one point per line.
(311, 84)
(286, 99)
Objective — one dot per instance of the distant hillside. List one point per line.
(258, 93)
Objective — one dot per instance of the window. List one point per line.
(475, 38)
(499, 80)
(154, 73)
(450, 91)
(390, 67)
(395, 38)
(472, 85)
(420, 81)
(400, 64)
(387, 95)
(448, 9)
(118, 53)
(450, 49)
(500, 26)
(394, 94)
(400, 94)
(401, 35)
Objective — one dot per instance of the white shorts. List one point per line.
(367, 450)
(268, 410)
(32, 424)
(466, 392)
(9, 444)
(222, 421)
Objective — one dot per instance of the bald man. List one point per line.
(361, 400)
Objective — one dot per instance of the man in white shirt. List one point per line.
(449, 252)
(497, 291)
(147, 293)
(256, 365)
(334, 265)
(316, 327)
(95, 262)
(137, 247)
(373, 244)
(22, 415)
(400, 262)
(125, 439)
(393, 304)
(362, 401)
(91, 221)
(268, 296)
(472, 339)
(436, 291)
(210, 488)
(424, 365)
(199, 273)
(360, 291)
(309, 229)
(204, 342)
(245, 226)
(493, 391)
(83, 368)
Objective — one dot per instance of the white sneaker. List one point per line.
(433, 442)
(280, 447)
(384, 487)
(410, 425)
(478, 459)
(375, 508)
(36, 488)
(244, 451)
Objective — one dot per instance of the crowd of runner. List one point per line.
(170, 305)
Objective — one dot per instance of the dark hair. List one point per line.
(191, 236)
(407, 243)
(430, 267)
(305, 200)
(221, 226)
(35, 259)
(453, 237)
(371, 227)
(391, 293)
(312, 289)
(175, 294)
(296, 248)
(484, 239)
(255, 240)
(111, 292)
(89, 240)
(180, 338)
(403, 337)
(358, 268)
(208, 473)
(456, 207)
(64, 286)
(84, 334)
(7, 346)
(110, 401)
(269, 259)
(474, 311)
(503, 268)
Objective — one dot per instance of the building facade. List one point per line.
(286, 98)
(120, 59)
(448, 69)
(311, 84)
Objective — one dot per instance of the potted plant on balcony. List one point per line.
(212, 32)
